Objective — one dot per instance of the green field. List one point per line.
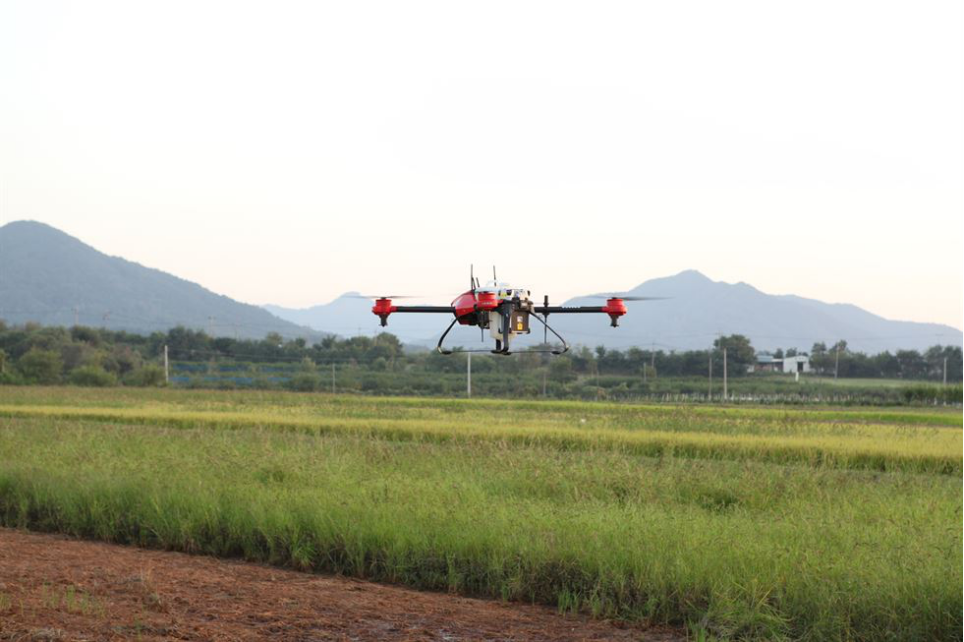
(752, 523)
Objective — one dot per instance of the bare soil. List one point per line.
(53, 588)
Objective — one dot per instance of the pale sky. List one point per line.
(287, 152)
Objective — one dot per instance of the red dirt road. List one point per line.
(52, 588)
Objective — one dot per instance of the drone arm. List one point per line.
(614, 307)
(383, 308)
(439, 309)
(561, 309)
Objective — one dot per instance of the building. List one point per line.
(766, 362)
(797, 363)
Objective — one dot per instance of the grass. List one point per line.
(558, 503)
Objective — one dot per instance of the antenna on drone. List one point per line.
(494, 277)
(471, 276)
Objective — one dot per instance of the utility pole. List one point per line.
(652, 359)
(945, 371)
(725, 395)
(597, 381)
(711, 376)
(836, 361)
(545, 381)
(468, 375)
(332, 377)
(210, 326)
(167, 367)
(76, 316)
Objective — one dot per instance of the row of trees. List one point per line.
(93, 356)
(903, 364)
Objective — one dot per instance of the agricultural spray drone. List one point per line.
(504, 311)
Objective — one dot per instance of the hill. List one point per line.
(52, 278)
(698, 309)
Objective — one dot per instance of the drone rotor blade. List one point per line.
(383, 296)
(627, 297)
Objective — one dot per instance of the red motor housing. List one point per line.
(486, 301)
(382, 308)
(615, 308)
(468, 303)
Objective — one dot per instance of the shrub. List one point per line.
(146, 376)
(92, 376)
(11, 379)
(924, 393)
(304, 382)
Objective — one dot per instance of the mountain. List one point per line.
(700, 308)
(52, 278)
(697, 309)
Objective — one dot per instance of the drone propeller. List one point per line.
(383, 296)
(625, 297)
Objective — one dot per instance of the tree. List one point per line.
(183, 342)
(935, 357)
(740, 354)
(821, 360)
(912, 364)
(560, 370)
(41, 366)
(886, 365)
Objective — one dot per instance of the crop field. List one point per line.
(736, 523)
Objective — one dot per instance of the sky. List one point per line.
(283, 152)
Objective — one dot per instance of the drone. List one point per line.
(504, 311)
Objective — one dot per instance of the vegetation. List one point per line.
(817, 523)
(83, 356)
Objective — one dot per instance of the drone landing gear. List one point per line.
(547, 327)
(439, 347)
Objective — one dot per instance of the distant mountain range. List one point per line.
(697, 310)
(52, 278)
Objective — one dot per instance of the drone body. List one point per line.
(503, 310)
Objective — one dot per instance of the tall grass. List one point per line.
(464, 498)
(686, 435)
(499, 410)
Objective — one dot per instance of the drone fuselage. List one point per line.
(497, 307)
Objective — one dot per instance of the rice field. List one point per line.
(736, 523)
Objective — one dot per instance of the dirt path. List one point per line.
(52, 588)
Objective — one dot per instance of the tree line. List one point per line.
(34, 354)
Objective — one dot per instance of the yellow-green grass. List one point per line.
(764, 524)
(844, 439)
(849, 382)
(421, 406)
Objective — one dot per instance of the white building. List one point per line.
(797, 363)
(766, 362)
